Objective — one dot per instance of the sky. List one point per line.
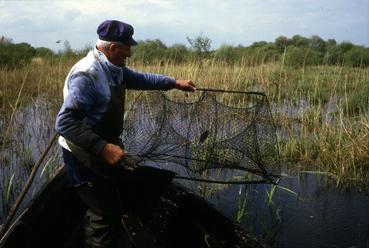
(231, 22)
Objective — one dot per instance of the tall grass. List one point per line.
(29, 99)
(320, 111)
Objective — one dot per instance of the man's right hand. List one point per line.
(113, 153)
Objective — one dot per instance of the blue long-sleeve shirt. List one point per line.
(87, 95)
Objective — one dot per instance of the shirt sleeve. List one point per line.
(70, 119)
(147, 81)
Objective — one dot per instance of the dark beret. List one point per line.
(112, 30)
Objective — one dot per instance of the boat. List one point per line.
(171, 217)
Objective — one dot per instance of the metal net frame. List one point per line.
(209, 135)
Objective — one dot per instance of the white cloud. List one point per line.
(232, 22)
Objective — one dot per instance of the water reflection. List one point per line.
(315, 214)
(30, 130)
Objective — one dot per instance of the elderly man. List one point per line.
(91, 120)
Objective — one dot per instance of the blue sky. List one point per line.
(232, 22)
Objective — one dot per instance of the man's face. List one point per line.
(118, 54)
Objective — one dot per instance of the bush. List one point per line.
(227, 54)
(43, 52)
(269, 52)
(333, 56)
(149, 50)
(300, 51)
(14, 55)
(177, 53)
(357, 57)
(302, 56)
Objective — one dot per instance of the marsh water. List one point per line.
(306, 209)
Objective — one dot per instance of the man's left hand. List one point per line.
(186, 85)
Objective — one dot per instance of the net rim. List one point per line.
(204, 94)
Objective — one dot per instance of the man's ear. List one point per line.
(112, 47)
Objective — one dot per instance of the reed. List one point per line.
(241, 206)
(8, 189)
(320, 111)
(29, 99)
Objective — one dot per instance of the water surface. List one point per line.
(317, 214)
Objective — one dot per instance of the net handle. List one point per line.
(231, 91)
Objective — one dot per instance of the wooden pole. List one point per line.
(18, 201)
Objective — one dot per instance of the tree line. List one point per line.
(295, 51)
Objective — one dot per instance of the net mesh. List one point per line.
(217, 136)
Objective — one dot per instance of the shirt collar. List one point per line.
(115, 72)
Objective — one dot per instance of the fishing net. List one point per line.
(212, 136)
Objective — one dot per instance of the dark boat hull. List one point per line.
(176, 218)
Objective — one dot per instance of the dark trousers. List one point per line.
(103, 226)
(104, 194)
(103, 197)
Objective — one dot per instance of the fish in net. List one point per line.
(207, 135)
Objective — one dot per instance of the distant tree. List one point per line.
(299, 41)
(82, 52)
(200, 43)
(318, 44)
(177, 53)
(5, 41)
(149, 50)
(259, 44)
(179, 47)
(226, 53)
(67, 47)
(297, 57)
(345, 46)
(5, 51)
(155, 44)
(269, 52)
(5, 54)
(281, 42)
(331, 43)
(67, 51)
(43, 52)
(14, 55)
(357, 56)
(333, 56)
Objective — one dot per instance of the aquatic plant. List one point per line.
(320, 111)
(241, 206)
(8, 189)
